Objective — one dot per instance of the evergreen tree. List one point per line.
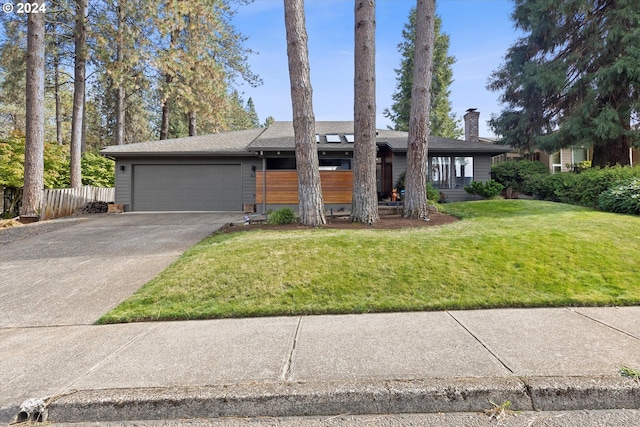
(79, 87)
(13, 70)
(573, 78)
(253, 116)
(268, 121)
(122, 30)
(364, 204)
(310, 200)
(34, 136)
(201, 57)
(415, 205)
(442, 121)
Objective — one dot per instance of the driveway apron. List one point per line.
(73, 273)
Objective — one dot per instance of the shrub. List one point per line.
(281, 216)
(97, 170)
(579, 189)
(432, 192)
(515, 173)
(624, 197)
(486, 190)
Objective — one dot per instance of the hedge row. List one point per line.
(582, 189)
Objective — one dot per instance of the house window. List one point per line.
(464, 171)
(579, 154)
(451, 172)
(556, 162)
(441, 172)
(334, 164)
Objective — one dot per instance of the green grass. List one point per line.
(504, 253)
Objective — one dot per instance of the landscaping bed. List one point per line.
(387, 222)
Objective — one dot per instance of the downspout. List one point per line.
(264, 184)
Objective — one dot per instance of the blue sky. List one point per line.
(480, 33)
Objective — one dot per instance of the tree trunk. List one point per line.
(56, 84)
(78, 92)
(120, 92)
(611, 153)
(415, 203)
(164, 124)
(34, 145)
(120, 115)
(310, 201)
(365, 197)
(192, 117)
(166, 105)
(615, 151)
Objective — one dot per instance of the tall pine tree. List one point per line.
(442, 121)
(364, 205)
(415, 205)
(573, 78)
(310, 201)
(201, 57)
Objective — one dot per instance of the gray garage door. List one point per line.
(187, 188)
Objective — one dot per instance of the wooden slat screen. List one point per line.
(282, 187)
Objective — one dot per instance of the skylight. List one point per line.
(349, 137)
(333, 138)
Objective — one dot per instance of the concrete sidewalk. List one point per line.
(539, 359)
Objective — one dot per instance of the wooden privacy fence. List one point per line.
(282, 187)
(61, 202)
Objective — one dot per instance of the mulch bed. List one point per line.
(387, 222)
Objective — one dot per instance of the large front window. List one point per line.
(451, 172)
(441, 172)
(464, 171)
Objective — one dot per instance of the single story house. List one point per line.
(255, 169)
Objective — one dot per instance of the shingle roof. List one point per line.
(279, 136)
(219, 143)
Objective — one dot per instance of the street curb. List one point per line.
(347, 397)
(576, 393)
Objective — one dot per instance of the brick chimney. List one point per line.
(471, 126)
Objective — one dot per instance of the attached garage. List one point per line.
(192, 187)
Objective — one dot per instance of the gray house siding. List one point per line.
(481, 168)
(249, 168)
(399, 166)
(123, 183)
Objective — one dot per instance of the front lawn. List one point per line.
(504, 253)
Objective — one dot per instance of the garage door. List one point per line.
(187, 188)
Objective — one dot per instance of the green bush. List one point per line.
(579, 189)
(622, 198)
(432, 192)
(281, 216)
(486, 190)
(515, 173)
(97, 170)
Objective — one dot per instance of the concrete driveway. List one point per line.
(71, 271)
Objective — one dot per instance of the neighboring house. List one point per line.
(564, 159)
(225, 172)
